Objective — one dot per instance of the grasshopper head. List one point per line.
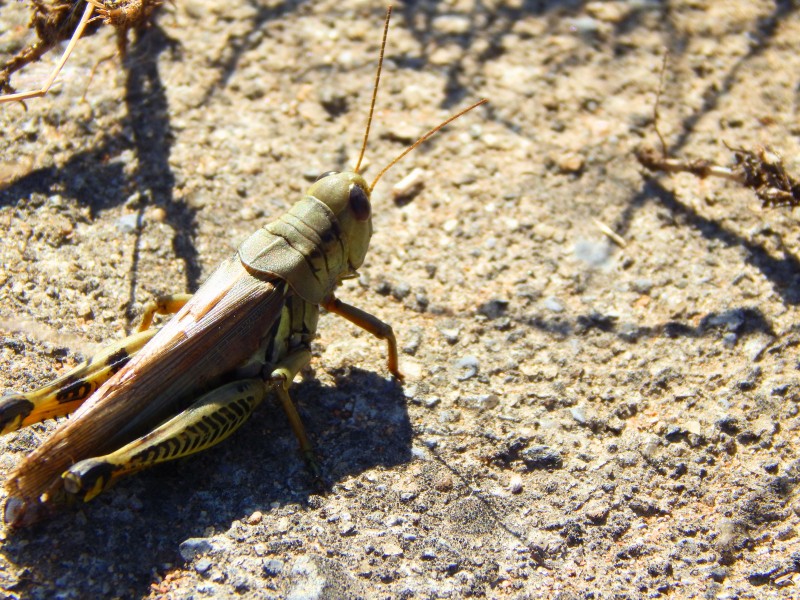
(347, 195)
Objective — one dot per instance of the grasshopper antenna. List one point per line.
(425, 138)
(375, 89)
(372, 111)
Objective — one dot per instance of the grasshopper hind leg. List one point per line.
(207, 422)
(67, 393)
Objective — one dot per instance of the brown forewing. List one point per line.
(220, 326)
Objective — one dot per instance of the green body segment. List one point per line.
(315, 244)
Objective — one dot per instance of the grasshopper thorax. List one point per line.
(347, 195)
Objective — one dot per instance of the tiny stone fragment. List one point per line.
(597, 511)
(272, 567)
(202, 565)
(571, 162)
(468, 367)
(451, 334)
(493, 308)
(193, 547)
(553, 305)
(405, 190)
(128, 223)
(542, 457)
(480, 403)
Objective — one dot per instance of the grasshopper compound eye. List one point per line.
(359, 203)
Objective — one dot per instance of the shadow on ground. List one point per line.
(137, 527)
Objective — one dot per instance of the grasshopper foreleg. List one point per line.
(369, 323)
(207, 422)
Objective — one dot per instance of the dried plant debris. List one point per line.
(56, 21)
(761, 170)
(124, 15)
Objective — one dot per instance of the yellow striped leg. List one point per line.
(68, 392)
(207, 422)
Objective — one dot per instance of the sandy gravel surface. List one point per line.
(579, 419)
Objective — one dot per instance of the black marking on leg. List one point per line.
(74, 390)
(83, 477)
(13, 407)
(118, 359)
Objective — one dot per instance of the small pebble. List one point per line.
(771, 466)
(585, 25)
(443, 483)
(133, 200)
(401, 290)
(468, 367)
(479, 403)
(542, 457)
(553, 305)
(493, 308)
(128, 223)
(597, 511)
(452, 24)
(413, 341)
(642, 286)
(449, 416)
(156, 214)
(192, 547)
(391, 549)
(579, 414)
(431, 402)
(571, 162)
(405, 190)
(593, 253)
(202, 565)
(272, 567)
(451, 334)
(719, 574)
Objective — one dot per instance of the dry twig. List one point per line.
(761, 170)
(56, 21)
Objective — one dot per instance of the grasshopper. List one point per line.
(245, 332)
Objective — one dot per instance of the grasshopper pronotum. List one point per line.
(245, 332)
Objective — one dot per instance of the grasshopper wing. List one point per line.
(222, 326)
